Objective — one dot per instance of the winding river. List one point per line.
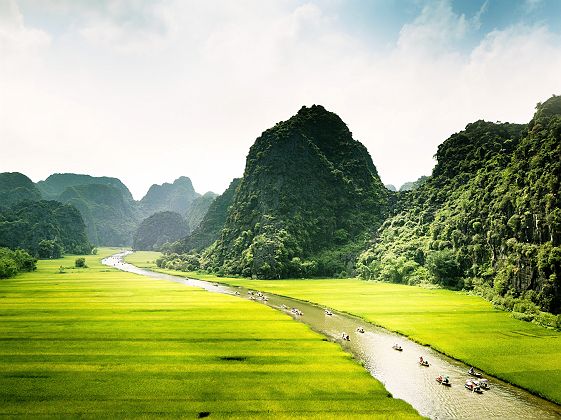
(398, 371)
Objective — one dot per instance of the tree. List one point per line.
(80, 262)
(8, 268)
(444, 267)
(49, 249)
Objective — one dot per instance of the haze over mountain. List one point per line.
(208, 230)
(175, 197)
(16, 187)
(52, 187)
(198, 208)
(107, 207)
(158, 229)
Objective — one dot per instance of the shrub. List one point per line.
(80, 262)
(8, 268)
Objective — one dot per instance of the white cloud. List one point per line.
(163, 89)
(18, 43)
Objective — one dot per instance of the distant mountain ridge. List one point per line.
(52, 187)
(16, 187)
(107, 206)
(175, 197)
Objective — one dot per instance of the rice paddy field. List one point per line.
(100, 343)
(462, 326)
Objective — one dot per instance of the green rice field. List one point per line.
(101, 343)
(462, 326)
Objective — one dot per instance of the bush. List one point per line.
(8, 268)
(13, 262)
(80, 262)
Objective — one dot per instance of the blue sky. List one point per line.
(184, 87)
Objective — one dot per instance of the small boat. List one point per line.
(296, 311)
(237, 293)
(397, 347)
(483, 384)
(249, 292)
(360, 330)
(472, 386)
(424, 363)
(345, 337)
(472, 372)
(328, 312)
(283, 306)
(216, 284)
(443, 380)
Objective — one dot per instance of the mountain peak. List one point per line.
(549, 108)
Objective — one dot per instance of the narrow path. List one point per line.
(398, 371)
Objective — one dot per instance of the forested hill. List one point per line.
(111, 218)
(175, 197)
(105, 203)
(158, 229)
(44, 228)
(52, 187)
(489, 217)
(309, 198)
(16, 187)
(208, 230)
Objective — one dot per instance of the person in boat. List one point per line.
(420, 358)
(471, 370)
(446, 380)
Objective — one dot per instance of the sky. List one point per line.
(148, 91)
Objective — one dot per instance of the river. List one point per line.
(399, 371)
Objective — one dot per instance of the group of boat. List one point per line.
(477, 384)
(256, 296)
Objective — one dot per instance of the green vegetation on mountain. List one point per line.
(52, 187)
(408, 186)
(174, 197)
(213, 221)
(488, 218)
(309, 199)
(197, 209)
(14, 262)
(44, 228)
(158, 229)
(16, 187)
(110, 217)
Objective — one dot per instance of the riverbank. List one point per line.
(461, 326)
(99, 342)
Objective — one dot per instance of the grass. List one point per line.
(98, 342)
(462, 326)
